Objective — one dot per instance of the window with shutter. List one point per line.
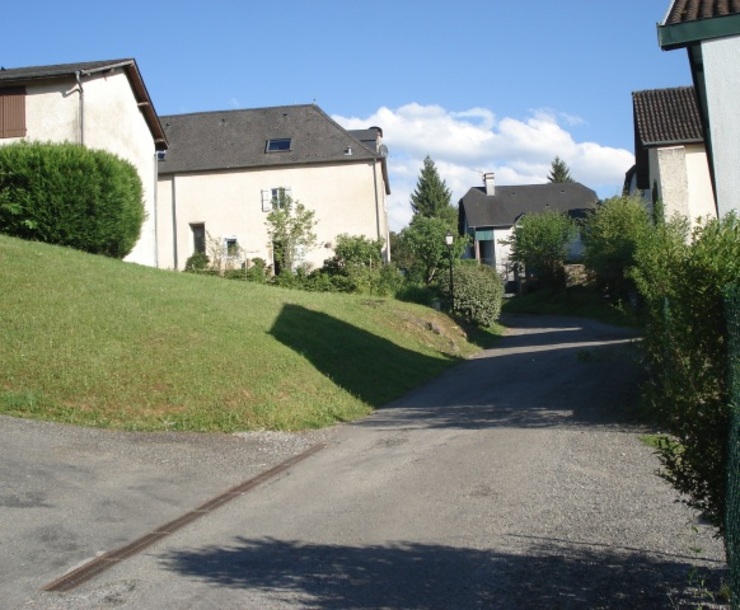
(274, 197)
(13, 113)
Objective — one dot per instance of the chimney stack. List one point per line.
(489, 181)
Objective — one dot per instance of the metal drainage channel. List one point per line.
(107, 560)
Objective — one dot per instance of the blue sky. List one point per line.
(479, 85)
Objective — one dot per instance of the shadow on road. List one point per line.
(548, 574)
(546, 372)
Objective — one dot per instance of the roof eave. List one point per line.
(656, 144)
(680, 35)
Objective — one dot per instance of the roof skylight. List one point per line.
(278, 145)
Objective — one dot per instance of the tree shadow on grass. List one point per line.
(369, 367)
(413, 576)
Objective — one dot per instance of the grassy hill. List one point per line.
(94, 341)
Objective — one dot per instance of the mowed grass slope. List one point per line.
(94, 341)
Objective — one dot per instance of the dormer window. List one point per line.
(278, 145)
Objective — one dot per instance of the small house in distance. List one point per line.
(489, 213)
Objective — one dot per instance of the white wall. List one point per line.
(229, 204)
(114, 122)
(684, 183)
(722, 79)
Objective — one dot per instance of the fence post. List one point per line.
(732, 495)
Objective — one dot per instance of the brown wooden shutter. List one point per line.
(13, 113)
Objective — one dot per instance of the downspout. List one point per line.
(155, 197)
(78, 78)
(377, 208)
(174, 224)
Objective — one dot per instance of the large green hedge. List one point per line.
(683, 284)
(69, 195)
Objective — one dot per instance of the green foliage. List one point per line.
(541, 242)
(290, 226)
(353, 252)
(478, 293)
(357, 267)
(424, 242)
(432, 197)
(197, 262)
(68, 195)
(685, 343)
(559, 172)
(610, 241)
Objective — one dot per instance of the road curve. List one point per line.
(515, 480)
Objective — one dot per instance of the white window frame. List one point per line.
(269, 195)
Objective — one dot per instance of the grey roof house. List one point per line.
(223, 170)
(489, 213)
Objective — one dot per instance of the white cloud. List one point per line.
(464, 144)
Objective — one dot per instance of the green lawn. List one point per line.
(94, 341)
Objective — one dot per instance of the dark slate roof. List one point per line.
(685, 11)
(666, 116)
(511, 202)
(210, 141)
(22, 76)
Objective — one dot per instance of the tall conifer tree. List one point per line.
(431, 198)
(559, 172)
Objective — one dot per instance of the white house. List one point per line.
(671, 163)
(102, 105)
(488, 214)
(223, 170)
(710, 33)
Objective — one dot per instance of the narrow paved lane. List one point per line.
(516, 480)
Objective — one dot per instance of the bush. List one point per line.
(478, 294)
(419, 294)
(68, 195)
(685, 344)
(610, 241)
(197, 263)
(541, 243)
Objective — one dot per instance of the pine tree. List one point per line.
(431, 198)
(559, 172)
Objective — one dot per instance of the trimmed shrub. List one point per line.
(478, 294)
(69, 195)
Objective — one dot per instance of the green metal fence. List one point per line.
(732, 507)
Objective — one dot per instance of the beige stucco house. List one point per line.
(709, 30)
(222, 171)
(671, 163)
(102, 105)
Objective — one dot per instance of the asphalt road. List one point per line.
(515, 480)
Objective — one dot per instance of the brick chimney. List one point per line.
(489, 181)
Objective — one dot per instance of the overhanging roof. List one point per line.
(23, 76)
(665, 117)
(689, 21)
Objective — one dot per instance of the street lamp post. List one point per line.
(449, 240)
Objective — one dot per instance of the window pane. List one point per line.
(199, 238)
(278, 145)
